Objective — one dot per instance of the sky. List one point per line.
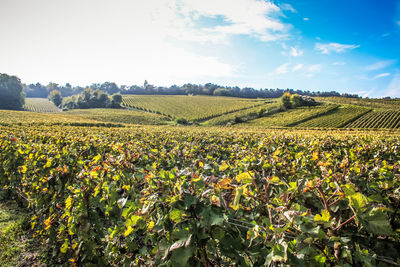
(350, 46)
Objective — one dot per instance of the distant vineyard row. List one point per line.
(378, 119)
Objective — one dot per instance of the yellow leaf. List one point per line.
(48, 163)
(223, 166)
(274, 179)
(315, 155)
(324, 217)
(244, 177)
(23, 169)
(201, 164)
(128, 231)
(68, 202)
(150, 226)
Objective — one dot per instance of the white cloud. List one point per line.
(306, 19)
(282, 69)
(380, 65)
(298, 67)
(312, 69)
(295, 52)
(308, 70)
(257, 18)
(394, 87)
(287, 7)
(338, 63)
(334, 47)
(381, 75)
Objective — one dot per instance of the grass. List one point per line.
(17, 247)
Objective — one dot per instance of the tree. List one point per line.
(297, 100)
(11, 92)
(116, 101)
(55, 97)
(285, 101)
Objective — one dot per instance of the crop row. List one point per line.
(378, 119)
(161, 196)
(292, 116)
(194, 108)
(40, 105)
(391, 104)
(337, 118)
(244, 114)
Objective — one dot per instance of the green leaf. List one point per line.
(210, 217)
(358, 201)
(181, 256)
(176, 215)
(376, 222)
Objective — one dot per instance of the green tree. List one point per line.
(11, 92)
(297, 100)
(55, 97)
(116, 101)
(285, 101)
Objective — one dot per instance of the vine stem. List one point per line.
(323, 198)
(340, 226)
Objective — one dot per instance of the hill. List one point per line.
(40, 105)
(332, 112)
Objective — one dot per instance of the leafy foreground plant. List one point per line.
(189, 197)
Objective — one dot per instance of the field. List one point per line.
(392, 104)
(192, 108)
(334, 112)
(378, 119)
(337, 118)
(187, 196)
(120, 116)
(291, 117)
(242, 114)
(40, 105)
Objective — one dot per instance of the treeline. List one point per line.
(39, 90)
(87, 99)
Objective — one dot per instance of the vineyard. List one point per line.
(291, 117)
(120, 116)
(378, 119)
(392, 104)
(193, 108)
(244, 114)
(338, 118)
(40, 105)
(165, 196)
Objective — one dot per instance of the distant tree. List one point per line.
(116, 101)
(285, 101)
(56, 98)
(296, 100)
(110, 88)
(11, 92)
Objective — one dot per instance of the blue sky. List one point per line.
(349, 46)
